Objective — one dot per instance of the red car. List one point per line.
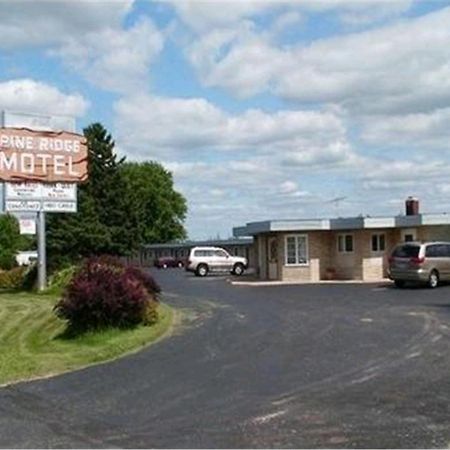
(168, 261)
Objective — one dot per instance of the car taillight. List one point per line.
(416, 261)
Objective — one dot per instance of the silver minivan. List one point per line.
(427, 262)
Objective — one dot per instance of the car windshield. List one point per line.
(406, 251)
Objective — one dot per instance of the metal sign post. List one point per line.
(42, 252)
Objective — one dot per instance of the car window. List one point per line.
(406, 251)
(204, 253)
(220, 254)
(432, 251)
(438, 251)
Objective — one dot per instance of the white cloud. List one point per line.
(422, 130)
(285, 21)
(115, 59)
(201, 16)
(37, 97)
(189, 126)
(40, 23)
(246, 69)
(287, 187)
(334, 153)
(89, 36)
(399, 68)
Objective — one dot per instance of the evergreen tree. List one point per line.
(111, 193)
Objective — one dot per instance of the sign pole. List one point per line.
(42, 256)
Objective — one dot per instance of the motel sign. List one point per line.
(46, 156)
(41, 169)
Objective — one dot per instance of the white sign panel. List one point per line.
(25, 206)
(59, 191)
(23, 191)
(38, 191)
(27, 225)
(59, 206)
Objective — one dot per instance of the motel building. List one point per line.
(355, 248)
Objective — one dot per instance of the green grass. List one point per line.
(31, 344)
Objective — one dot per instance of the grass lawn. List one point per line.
(31, 345)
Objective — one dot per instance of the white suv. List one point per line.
(202, 260)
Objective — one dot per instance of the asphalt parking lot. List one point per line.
(351, 365)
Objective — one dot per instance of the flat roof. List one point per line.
(208, 243)
(342, 223)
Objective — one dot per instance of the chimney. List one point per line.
(412, 206)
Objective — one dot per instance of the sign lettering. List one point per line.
(42, 156)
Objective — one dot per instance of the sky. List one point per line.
(261, 110)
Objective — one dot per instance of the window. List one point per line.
(221, 253)
(203, 253)
(409, 237)
(297, 250)
(406, 251)
(378, 242)
(437, 251)
(345, 243)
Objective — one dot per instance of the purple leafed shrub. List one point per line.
(106, 293)
(146, 279)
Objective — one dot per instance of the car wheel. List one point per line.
(433, 279)
(238, 269)
(202, 270)
(399, 283)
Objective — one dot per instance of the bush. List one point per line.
(146, 279)
(13, 279)
(59, 280)
(104, 292)
(29, 281)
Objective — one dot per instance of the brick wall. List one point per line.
(319, 256)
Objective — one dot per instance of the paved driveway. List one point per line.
(286, 366)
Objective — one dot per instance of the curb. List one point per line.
(300, 283)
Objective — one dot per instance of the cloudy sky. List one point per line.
(260, 109)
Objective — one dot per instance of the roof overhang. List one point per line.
(346, 223)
